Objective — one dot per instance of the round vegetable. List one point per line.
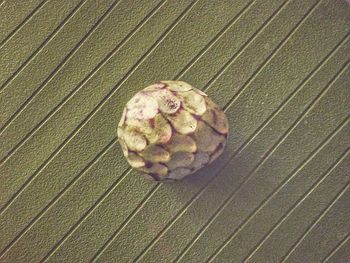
(170, 130)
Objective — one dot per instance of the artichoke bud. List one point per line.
(170, 130)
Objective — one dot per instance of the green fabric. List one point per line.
(280, 70)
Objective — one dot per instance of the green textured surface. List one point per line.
(280, 69)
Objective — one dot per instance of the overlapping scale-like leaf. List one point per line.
(170, 130)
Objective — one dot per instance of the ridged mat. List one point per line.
(279, 68)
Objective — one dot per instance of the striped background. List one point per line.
(279, 68)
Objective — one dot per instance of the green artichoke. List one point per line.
(170, 130)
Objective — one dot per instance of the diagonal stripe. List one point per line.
(241, 50)
(270, 152)
(202, 52)
(105, 195)
(53, 201)
(218, 36)
(73, 51)
(102, 196)
(279, 143)
(294, 93)
(285, 39)
(86, 214)
(309, 229)
(124, 224)
(336, 248)
(82, 83)
(42, 45)
(307, 194)
(75, 132)
(20, 25)
(265, 123)
(274, 52)
(255, 133)
(296, 170)
(91, 163)
(47, 207)
(240, 149)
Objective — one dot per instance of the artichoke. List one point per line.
(170, 130)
